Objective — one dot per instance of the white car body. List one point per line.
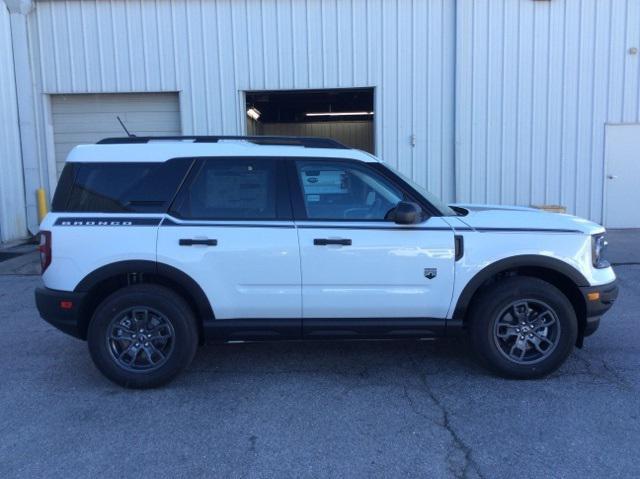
(273, 270)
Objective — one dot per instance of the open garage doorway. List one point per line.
(345, 115)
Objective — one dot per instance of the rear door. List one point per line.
(355, 262)
(230, 228)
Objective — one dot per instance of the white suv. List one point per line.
(155, 244)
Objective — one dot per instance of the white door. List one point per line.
(622, 175)
(356, 263)
(87, 118)
(230, 229)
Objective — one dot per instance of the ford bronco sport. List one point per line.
(154, 245)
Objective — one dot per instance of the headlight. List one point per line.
(598, 246)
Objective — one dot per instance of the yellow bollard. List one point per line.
(42, 204)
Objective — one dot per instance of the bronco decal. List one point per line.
(107, 221)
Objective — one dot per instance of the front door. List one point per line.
(355, 262)
(622, 159)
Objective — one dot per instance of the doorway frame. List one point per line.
(374, 91)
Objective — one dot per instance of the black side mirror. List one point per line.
(406, 213)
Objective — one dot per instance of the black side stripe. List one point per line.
(517, 230)
(372, 227)
(107, 221)
(170, 222)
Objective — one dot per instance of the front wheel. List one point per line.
(142, 336)
(523, 327)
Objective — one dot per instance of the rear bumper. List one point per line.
(598, 300)
(61, 309)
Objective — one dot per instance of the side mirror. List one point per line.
(406, 213)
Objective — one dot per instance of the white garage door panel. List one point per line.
(79, 119)
(71, 124)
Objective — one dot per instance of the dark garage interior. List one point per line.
(346, 115)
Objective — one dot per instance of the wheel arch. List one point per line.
(107, 279)
(554, 271)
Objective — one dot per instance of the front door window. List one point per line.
(344, 191)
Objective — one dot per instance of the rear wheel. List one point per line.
(523, 327)
(142, 336)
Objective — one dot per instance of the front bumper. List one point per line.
(61, 309)
(598, 300)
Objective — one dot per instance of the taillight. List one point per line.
(45, 249)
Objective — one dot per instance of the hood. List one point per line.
(496, 216)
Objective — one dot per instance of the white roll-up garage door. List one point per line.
(82, 118)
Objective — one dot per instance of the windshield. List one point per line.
(430, 197)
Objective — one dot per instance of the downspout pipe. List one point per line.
(18, 12)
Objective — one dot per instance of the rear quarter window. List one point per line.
(119, 187)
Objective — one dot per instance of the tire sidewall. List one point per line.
(160, 299)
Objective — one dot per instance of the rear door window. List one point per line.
(234, 189)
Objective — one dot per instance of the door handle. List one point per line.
(192, 242)
(327, 241)
(612, 177)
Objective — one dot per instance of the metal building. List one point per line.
(527, 102)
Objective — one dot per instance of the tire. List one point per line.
(507, 327)
(120, 329)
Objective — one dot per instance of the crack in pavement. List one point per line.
(460, 471)
(609, 374)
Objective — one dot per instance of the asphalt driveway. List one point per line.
(378, 409)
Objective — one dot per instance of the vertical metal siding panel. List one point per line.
(585, 108)
(375, 60)
(12, 207)
(479, 95)
(617, 59)
(200, 94)
(525, 102)
(299, 39)
(254, 43)
(464, 108)
(344, 30)
(423, 167)
(388, 82)
(359, 41)
(632, 66)
(271, 52)
(330, 48)
(227, 68)
(555, 84)
(315, 43)
(286, 66)
(446, 12)
(207, 55)
(403, 80)
(600, 101)
(493, 68)
(539, 114)
(164, 45)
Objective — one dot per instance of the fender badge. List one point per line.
(430, 273)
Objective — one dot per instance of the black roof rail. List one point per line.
(306, 141)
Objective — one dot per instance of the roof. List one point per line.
(159, 150)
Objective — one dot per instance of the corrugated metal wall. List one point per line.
(12, 208)
(536, 83)
(211, 51)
